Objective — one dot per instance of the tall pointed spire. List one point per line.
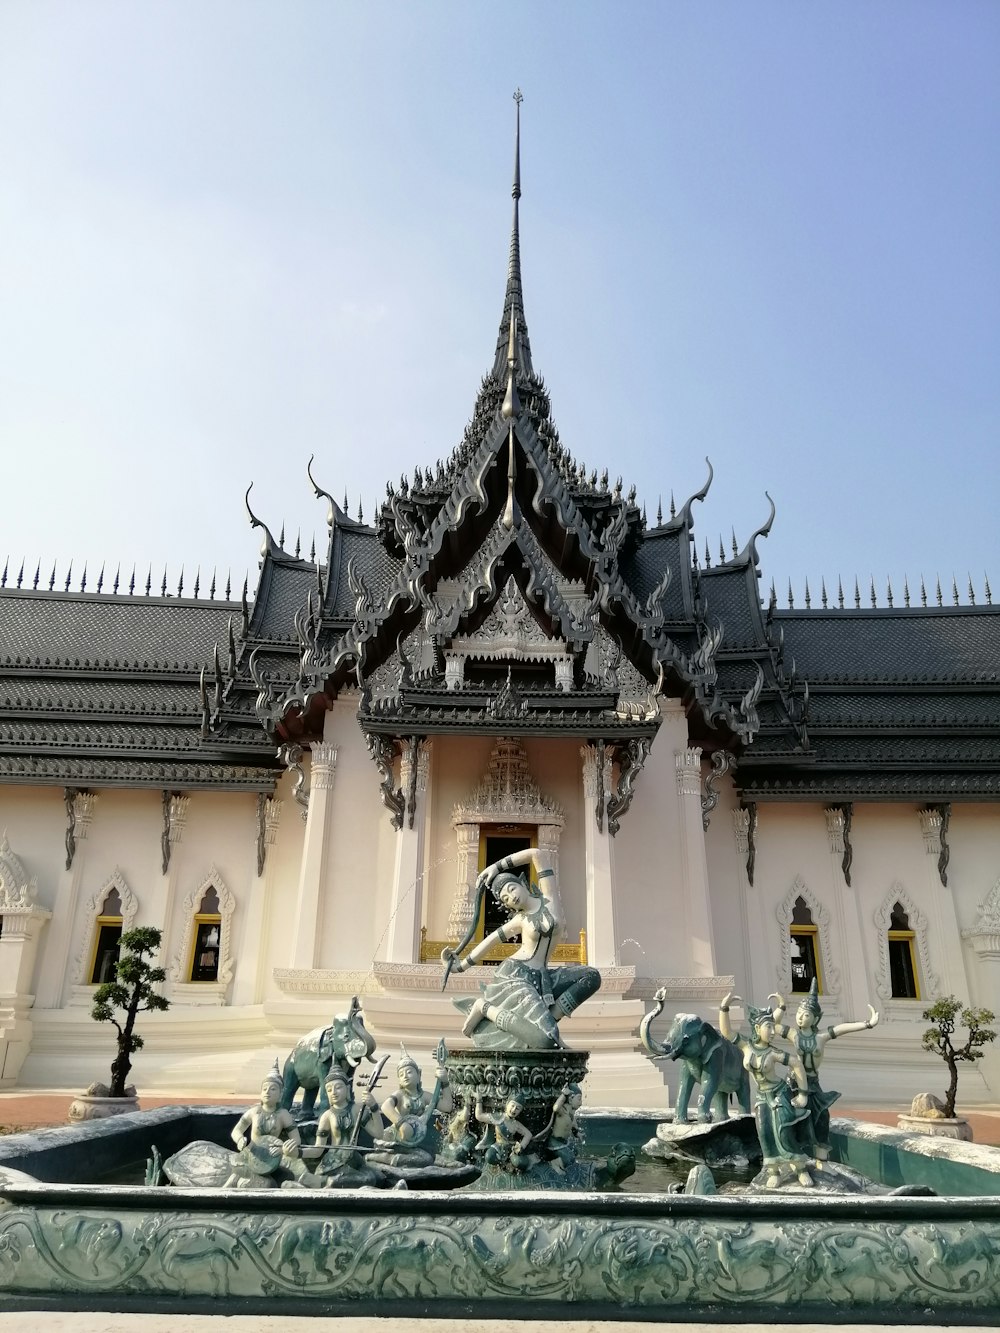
(513, 304)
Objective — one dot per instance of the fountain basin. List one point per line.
(485, 1255)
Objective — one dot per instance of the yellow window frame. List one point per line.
(908, 937)
(202, 919)
(813, 933)
(101, 922)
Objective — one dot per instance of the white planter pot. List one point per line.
(85, 1107)
(947, 1129)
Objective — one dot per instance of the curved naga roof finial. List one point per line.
(333, 509)
(684, 516)
(749, 552)
(268, 544)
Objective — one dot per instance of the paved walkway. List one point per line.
(34, 1110)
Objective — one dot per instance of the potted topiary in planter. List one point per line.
(120, 1002)
(929, 1115)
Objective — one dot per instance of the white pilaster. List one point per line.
(602, 936)
(248, 987)
(467, 841)
(22, 921)
(54, 967)
(694, 862)
(402, 940)
(315, 856)
(175, 812)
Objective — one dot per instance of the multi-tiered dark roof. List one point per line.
(503, 590)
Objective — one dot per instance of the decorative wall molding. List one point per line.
(710, 990)
(427, 977)
(268, 818)
(930, 986)
(175, 811)
(88, 940)
(745, 831)
(839, 819)
(227, 909)
(984, 934)
(18, 890)
(325, 982)
(467, 836)
(930, 827)
(688, 765)
(79, 813)
(821, 919)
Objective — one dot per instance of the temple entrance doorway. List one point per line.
(495, 841)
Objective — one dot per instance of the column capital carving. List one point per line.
(324, 766)
(688, 764)
(591, 772)
(741, 830)
(835, 828)
(423, 766)
(930, 826)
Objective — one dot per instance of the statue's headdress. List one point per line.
(811, 1002)
(406, 1061)
(273, 1075)
(757, 1016)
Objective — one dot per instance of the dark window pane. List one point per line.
(206, 951)
(904, 982)
(107, 953)
(801, 915)
(803, 961)
(899, 920)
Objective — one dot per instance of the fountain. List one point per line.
(475, 1197)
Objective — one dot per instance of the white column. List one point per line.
(250, 967)
(403, 935)
(460, 920)
(176, 813)
(758, 948)
(694, 863)
(315, 857)
(602, 937)
(54, 967)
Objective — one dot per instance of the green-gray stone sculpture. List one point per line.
(344, 1044)
(706, 1057)
(810, 1044)
(784, 1124)
(266, 1138)
(521, 1007)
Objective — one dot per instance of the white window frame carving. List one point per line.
(182, 989)
(824, 931)
(928, 982)
(82, 987)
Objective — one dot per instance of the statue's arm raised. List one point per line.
(842, 1029)
(725, 1027)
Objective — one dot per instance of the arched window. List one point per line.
(805, 948)
(107, 937)
(902, 955)
(207, 938)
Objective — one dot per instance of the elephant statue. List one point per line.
(707, 1058)
(346, 1042)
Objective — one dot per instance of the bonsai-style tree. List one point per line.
(131, 992)
(938, 1039)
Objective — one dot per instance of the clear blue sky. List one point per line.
(234, 234)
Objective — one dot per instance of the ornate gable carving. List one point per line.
(985, 933)
(508, 793)
(509, 633)
(227, 907)
(130, 906)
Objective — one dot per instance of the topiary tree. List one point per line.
(937, 1039)
(131, 992)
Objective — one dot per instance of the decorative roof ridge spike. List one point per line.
(268, 544)
(513, 304)
(749, 553)
(684, 516)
